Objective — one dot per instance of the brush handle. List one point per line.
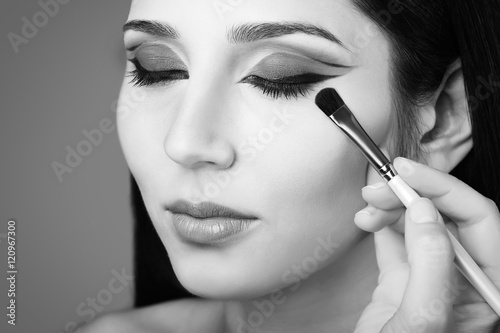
(403, 191)
(473, 273)
(463, 261)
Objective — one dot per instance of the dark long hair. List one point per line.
(427, 36)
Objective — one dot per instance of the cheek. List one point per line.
(142, 126)
(311, 180)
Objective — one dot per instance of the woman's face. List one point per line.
(230, 118)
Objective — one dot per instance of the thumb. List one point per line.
(427, 304)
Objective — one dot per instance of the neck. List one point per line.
(331, 300)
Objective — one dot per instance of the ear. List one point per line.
(446, 128)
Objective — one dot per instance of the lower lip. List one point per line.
(210, 230)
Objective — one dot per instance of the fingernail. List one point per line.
(404, 166)
(367, 211)
(423, 211)
(376, 186)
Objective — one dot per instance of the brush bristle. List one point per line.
(329, 101)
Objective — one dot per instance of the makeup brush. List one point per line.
(332, 105)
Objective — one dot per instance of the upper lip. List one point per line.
(206, 209)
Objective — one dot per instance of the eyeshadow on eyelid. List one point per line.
(278, 65)
(158, 57)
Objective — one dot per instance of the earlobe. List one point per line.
(447, 135)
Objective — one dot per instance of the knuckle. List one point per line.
(437, 245)
(486, 208)
(491, 206)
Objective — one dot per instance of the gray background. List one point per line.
(72, 234)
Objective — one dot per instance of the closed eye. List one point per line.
(287, 87)
(143, 77)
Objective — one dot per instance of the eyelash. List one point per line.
(286, 87)
(142, 77)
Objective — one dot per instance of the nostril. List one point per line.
(197, 153)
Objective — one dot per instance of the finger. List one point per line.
(450, 195)
(390, 250)
(393, 277)
(385, 301)
(372, 219)
(381, 196)
(426, 305)
(477, 217)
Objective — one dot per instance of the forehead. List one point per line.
(212, 19)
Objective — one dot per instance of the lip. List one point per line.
(206, 209)
(207, 222)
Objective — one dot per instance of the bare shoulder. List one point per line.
(186, 315)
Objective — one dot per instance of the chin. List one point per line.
(223, 285)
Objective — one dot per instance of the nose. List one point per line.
(197, 137)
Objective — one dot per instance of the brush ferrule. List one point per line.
(387, 172)
(346, 121)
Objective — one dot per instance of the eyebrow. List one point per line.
(251, 32)
(154, 28)
(244, 33)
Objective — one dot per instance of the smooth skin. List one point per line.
(305, 185)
